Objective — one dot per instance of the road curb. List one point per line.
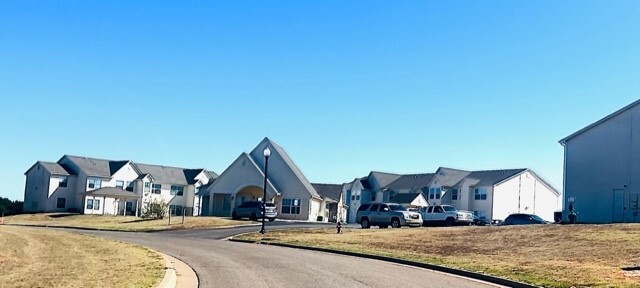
(448, 270)
(177, 273)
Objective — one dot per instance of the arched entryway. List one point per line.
(249, 193)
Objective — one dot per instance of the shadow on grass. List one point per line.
(142, 220)
(61, 215)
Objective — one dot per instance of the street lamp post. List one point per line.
(266, 153)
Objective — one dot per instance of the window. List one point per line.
(383, 208)
(291, 206)
(156, 188)
(61, 203)
(130, 186)
(353, 197)
(454, 194)
(96, 204)
(374, 207)
(364, 207)
(358, 197)
(373, 197)
(176, 210)
(63, 181)
(94, 183)
(481, 193)
(177, 190)
(89, 204)
(120, 184)
(435, 193)
(147, 186)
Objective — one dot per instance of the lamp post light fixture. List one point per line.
(266, 153)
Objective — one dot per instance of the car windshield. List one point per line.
(397, 208)
(271, 205)
(449, 208)
(537, 218)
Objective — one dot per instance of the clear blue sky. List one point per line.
(345, 87)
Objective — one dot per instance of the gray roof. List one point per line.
(97, 167)
(292, 165)
(411, 181)
(492, 177)
(404, 198)
(168, 175)
(52, 168)
(449, 177)
(331, 191)
(383, 179)
(112, 191)
(614, 114)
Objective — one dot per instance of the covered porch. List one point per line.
(111, 201)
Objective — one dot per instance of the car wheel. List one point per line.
(272, 219)
(254, 217)
(395, 223)
(449, 222)
(234, 215)
(365, 223)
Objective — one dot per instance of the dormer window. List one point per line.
(94, 183)
(63, 181)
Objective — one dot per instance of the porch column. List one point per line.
(103, 202)
(137, 201)
(124, 208)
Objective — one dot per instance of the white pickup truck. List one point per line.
(445, 214)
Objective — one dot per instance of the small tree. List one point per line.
(155, 209)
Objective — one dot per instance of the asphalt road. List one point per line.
(221, 263)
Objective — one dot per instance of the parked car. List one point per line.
(253, 211)
(447, 215)
(523, 219)
(384, 215)
(477, 221)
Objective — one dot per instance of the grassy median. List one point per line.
(544, 255)
(121, 223)
(31, 257)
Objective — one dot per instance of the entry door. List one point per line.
(129, 207)
(618, 205)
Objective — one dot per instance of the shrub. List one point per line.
(155, 209)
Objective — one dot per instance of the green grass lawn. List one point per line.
(31, 257)
(121, 223)
(543, 255)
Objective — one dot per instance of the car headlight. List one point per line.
(407, 215)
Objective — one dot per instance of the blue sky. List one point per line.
(345, 87)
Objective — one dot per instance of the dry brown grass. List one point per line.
(32, 257)
(544, 255)
(122, 223)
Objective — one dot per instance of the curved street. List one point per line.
(229, 264)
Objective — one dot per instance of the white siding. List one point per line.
(524, 193)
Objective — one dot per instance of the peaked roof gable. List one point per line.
(605, 119)
(448, 177)
(251, 173)
(256, 153)
(492, 177)
(382, 178)
(95, 167)
(52, 168)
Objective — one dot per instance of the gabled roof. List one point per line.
(449, 177)
(169, 175)
(383, 179)
(212, 175)
(52, 168)
(492, 177)
(96, 167)
(411, 181)
(331, 191)
(585, 129)
(404, 198)
(292, 165)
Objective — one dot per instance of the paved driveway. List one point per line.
(228, 264)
